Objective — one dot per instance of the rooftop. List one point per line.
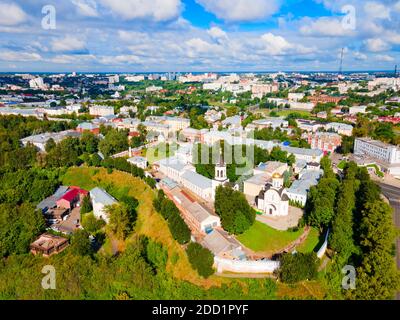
(47, 241)
(99, 195)
(219, 241)
(197, 179)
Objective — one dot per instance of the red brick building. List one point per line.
(325, 99)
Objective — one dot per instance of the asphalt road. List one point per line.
(393, 194)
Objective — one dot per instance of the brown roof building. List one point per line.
(324, 99)
(48, 244)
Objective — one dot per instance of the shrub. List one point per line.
(297, 267)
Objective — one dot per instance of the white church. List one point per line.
(273, 199)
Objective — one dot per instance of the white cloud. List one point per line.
(87, 8)
(197, 46)
(19, 56)
(360, 56)
(75, 59)
(384, 58)
(132, 36)
(393, 37)
(377, 10)
(325, 27)
(11, 14)
(217, 34)
(68, 44)
(120, 59)
(274, 45)
(157, 10)
(396, 7)
(241, 10)
(376, 45)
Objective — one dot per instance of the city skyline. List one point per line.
(198, 36)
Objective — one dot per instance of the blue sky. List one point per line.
(199, 35)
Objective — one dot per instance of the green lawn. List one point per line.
(81, 177)
(262, 238)
(311, 242)
(341, 164)
(377, 171)
(284, 112)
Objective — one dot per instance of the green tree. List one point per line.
(80, 243)
(89, 142)
(86, 205)
(377, 276)
(119, 220)
(19, 226)
(114, 141)
(201, 259)
(180, 231)
(321, 203)
(91, 224)
(235, 212)
(50, 145)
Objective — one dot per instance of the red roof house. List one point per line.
(72, 198)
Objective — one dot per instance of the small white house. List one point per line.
(101, 199)
(140, 162)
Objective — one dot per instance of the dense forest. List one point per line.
(362, 233)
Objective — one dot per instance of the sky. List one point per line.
(198, 35)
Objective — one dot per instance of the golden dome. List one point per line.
(276, 175)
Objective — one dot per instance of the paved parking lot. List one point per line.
(283, 223)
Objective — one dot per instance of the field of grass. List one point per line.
(264, 239)
(283, 112)
(311, 243)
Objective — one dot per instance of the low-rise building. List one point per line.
(101, 111)
(309, 125)
(71, 198)
(340, 128)
(48, 244)
(357, 109)
(40, 140)
(140, 162)
(299, 189)
(324, 99)
(309, 155)
(221, 244)
(100, 200)
(195, 215)
(325, 141)
(293, 96)
(268, 123)
(88, 126)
